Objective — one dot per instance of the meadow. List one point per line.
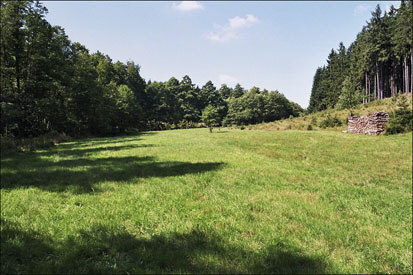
(187, 201)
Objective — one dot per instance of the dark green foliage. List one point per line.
(401, 120)
(309, 127)
(314, 120)
(376, 65)
(330, 122)
(238, 91)
(211, 117)
(349, 98)
(12, 145)
(254, 107)
(50, 84)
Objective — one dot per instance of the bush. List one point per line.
(394, 127)
(401, 120)
(11, 145)
(183, 124)
(330, 122)
(314, 120)
(309, 127)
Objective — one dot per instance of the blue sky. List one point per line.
(271, 45)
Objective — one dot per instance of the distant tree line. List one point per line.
(376, 65)
(50, 84)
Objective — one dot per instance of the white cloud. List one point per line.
(188, 6)
(227, 79)
(231, 30)
(239, 22)
(361, 9)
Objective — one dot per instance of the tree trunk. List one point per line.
(375, 86)
(369, 88)
(379, 90)
(17, 71)
(377, 82)
(365, 80)
(411, 70)
(406, 76)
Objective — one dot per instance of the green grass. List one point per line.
(228, 202)
(314, 119)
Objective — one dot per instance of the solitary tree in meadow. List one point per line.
(211, 117)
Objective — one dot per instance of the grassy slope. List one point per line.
(231, 201)
(301, 123)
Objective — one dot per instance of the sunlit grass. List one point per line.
(302, 122)
(230, 201)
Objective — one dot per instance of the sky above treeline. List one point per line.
(274, 45)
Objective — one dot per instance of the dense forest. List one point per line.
(50, 84)
(378, 64)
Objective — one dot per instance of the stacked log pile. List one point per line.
(372, 124)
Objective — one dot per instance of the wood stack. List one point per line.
(372, 124)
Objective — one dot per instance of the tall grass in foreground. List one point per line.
(228, 202)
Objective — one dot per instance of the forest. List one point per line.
(49, 84)
(378, 64)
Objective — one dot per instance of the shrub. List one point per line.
(10, 145)
(330, 122)
(314, 120)
(309, 127)
(401, 119)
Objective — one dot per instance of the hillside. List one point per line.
(314, 119)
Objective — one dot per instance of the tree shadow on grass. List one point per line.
(102, 250)
(80, 175)
(87, 151)
(70, 168)
(110, 140)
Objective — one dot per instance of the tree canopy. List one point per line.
(376, 65)
(50, 83)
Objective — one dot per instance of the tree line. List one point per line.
(50, 84)
(378, 64)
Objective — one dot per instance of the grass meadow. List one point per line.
(187, 201)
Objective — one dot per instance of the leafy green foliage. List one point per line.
(314, 120)
(376, 64)
(349, 98)
(255, 107)
(50, 84)
(211, 117)
(330, 122)
(401, 119)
